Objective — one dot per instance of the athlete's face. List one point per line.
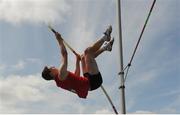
(54, 71)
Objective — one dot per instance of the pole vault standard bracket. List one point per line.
(121, 73)
(122, 87)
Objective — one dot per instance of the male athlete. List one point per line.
(72, 81)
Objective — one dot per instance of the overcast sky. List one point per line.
(26, 46)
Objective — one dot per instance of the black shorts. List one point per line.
(94, 80)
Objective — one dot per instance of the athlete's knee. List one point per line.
(83, 57)
(88, 51)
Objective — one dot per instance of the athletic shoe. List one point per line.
(108, 45)
(107, 33)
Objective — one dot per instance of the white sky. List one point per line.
(26, 46)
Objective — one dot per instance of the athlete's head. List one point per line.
(48, 73)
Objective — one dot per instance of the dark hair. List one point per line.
(46, 74)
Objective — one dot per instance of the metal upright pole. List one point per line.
(122, 86)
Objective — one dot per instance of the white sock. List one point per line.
(106, 46)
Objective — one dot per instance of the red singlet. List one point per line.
(77, 83)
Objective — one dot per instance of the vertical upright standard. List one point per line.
(122, 85)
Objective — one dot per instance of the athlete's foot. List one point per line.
(107, 33)
(108, 45)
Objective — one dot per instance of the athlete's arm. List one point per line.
(58, 38)
(77, 70)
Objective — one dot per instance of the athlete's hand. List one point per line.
(58, 36)
(78, 57)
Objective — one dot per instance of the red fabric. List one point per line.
(77, 83)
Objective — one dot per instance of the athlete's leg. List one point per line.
(106, 37)
(96, 46)
(83, 64)
(107, 47)
(92, 52)
(90, 62)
